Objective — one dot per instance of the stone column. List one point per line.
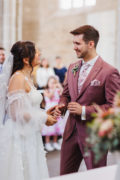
(6, 24)
(12, 22)
(19, 15)
(9, 23)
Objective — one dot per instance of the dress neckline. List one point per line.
(27, 79)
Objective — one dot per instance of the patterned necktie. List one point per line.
(82, 76)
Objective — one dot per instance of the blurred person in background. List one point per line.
(2, 58)
(43, 73)
(52, 96)
(59, 69)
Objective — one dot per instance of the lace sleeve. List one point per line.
(21, 111)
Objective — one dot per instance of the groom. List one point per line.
(89, 80)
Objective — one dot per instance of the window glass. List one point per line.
(69, 4)
(65, 4)
(90, 2)
(77, 3)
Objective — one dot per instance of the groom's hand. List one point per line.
(75, 108)
(58, 110)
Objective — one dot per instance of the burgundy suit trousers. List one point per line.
(72, 154)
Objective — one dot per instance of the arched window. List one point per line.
(90, 2)
(69, 4)
(77, 3)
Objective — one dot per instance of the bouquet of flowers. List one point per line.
(104, 130)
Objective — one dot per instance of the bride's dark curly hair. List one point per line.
(21, 50)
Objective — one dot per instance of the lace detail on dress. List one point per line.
(25, 110)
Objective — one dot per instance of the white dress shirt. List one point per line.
(91, 63)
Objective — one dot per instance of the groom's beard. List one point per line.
(82, 54)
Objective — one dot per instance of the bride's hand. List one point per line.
(51, 110)
(50, 120)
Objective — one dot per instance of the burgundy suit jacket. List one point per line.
(101, 94)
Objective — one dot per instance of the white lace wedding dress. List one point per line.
(22, 156)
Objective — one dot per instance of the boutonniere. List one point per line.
(75, 69)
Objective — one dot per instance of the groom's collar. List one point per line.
(90, 62)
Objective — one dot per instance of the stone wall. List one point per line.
(43, 22)
(49, 27)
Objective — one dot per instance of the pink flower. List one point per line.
(106, 127)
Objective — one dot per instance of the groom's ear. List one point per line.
(91, 44)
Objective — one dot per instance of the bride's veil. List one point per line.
(4, 80)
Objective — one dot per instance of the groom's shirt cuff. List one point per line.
(83, 114)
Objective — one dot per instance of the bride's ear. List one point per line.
(26, 61)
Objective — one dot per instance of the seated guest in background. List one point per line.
(52, 96)
(43, 73)
(2, 58)
(59, 69)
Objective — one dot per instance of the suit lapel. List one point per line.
(75, 79)
(94, 71)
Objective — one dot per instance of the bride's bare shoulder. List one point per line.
(16, 82)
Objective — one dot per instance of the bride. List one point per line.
(22, 156)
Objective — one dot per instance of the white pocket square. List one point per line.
(95, 82)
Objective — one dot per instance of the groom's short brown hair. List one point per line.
(89, 33)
